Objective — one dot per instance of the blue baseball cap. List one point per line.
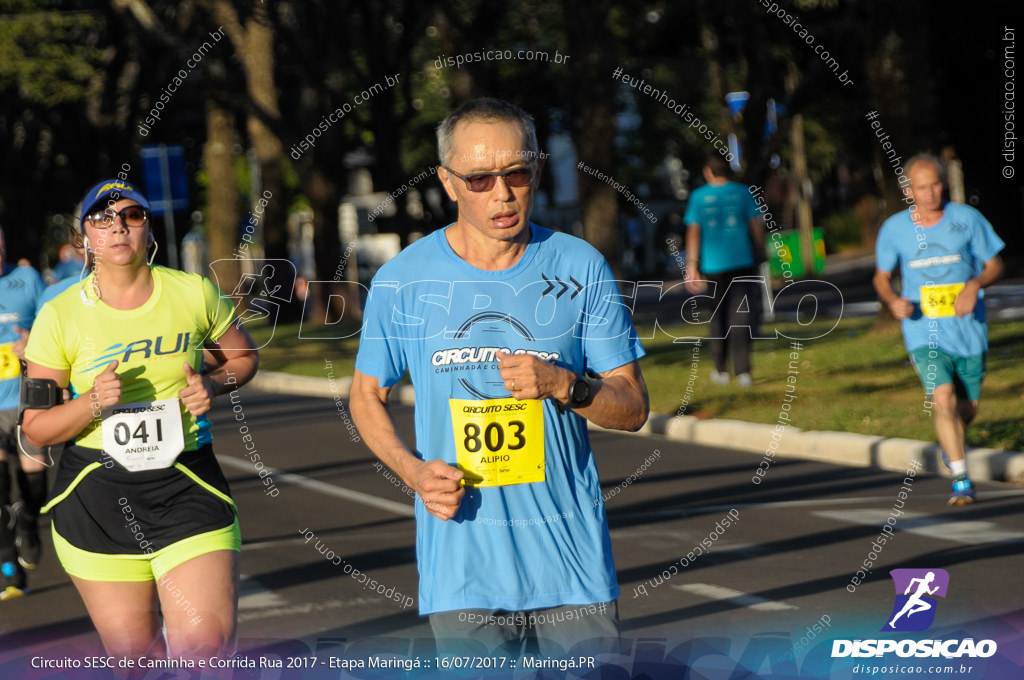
(104, 191)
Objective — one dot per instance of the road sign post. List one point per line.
(163, 169)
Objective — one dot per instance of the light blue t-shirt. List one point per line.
(951, 251)
(723, 213)
(20, 288)
(521, 546)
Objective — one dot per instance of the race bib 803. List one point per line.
(9, 366)
(499, 442)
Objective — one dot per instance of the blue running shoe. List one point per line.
(963, 491)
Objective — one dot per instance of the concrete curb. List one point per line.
(838, 448)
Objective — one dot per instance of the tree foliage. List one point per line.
(78, 76)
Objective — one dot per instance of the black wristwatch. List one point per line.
(579, 392)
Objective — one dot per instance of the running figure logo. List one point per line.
(260, 295)
(914, 610)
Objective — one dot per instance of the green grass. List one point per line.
(856, 378)
(285, 351)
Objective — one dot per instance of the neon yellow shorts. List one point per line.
(90, 566)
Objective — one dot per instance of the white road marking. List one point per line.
(357, 539)
(365, 604)
(277, 543)
(703, 510)
(323, 487)
(968, 532)
(815, 502)
(713, 592)
(252, 595)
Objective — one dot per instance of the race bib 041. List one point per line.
(937, 300)
(499, 442)
(144, 435)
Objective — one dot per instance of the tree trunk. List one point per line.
(222, 213)
(263, 117)
(886, 84)
(885, 76)
(323, 198)
(254, 45)
(589, 38)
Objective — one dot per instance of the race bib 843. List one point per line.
(937, 300)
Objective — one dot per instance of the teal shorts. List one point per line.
(937, 367)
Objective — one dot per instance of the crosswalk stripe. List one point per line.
(253, 595)
(721, 593)
(968, 532)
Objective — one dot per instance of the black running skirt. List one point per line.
(112, 511)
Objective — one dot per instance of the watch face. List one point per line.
(580, 391)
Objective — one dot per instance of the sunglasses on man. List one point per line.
(484, 181)
(132, 216)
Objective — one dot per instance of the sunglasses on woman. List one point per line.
(484, 181)
(132, 216)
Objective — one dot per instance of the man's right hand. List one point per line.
(106, 389)
(438, 486)
(901, 308)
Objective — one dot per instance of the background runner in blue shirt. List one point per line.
(20, 289)
(724, 244)
(946, 253)
(514, 336)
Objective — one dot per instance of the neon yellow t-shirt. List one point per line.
(150, 343)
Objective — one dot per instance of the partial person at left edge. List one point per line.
(20, 290)
(143, 519)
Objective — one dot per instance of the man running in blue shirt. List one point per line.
(947, 253)
(724, 243)
(514, 337)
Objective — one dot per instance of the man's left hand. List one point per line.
(528, 377)
(966, 299)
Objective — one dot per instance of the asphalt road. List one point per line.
(786, 563)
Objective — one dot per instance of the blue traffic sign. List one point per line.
(163, 171)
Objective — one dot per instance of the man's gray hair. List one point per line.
(486, 109)
(940, 167)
